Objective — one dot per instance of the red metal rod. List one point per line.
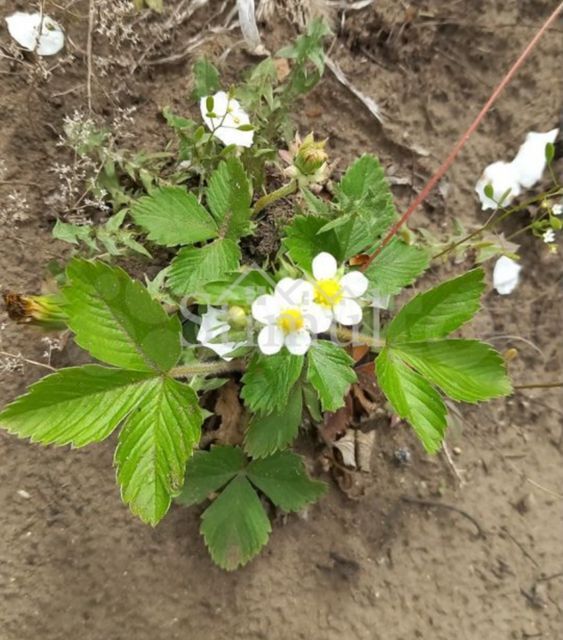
(465, 137)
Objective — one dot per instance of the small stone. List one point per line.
(402, 456)
(525, 504)
(457, 451)
(22, 493)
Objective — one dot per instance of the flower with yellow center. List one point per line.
(289, 315)
(336, 292)
(225, 119)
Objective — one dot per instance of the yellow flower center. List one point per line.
(328, 292)
(291, 320)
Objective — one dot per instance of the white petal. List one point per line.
(270, 339)
(317, 318)
(212, 325)
(292, 292)
(24, 29)
(265, 308)
(530, 161)
(502, 177)
(380, 301)
(324, 266)
(355, 284)
(298, 342)
(347, 312)
(229, 115)
(506, 275)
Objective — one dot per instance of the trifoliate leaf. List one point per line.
(229, 198)
(116, 320)
(76, 406)
(208, 471)
(440, 311)
(412, 398)
(329, 370)
(269, 380)
(235, 527)
(303, 241)
(396, 266)
(206, 77)
(173, 216)
(154, 445)
(283, 478)
(466, 370)
(193, 267)
(267, 434)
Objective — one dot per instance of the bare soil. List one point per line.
(481, 562)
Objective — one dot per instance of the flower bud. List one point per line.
(311, 156)
(237, 318)
(45, 311)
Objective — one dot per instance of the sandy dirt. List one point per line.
(74, 563)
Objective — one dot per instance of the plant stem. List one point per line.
(465, 137)
(269, 198)
(215, 367)
(540, 385)
(359, 338)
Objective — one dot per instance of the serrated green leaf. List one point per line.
(154, 446)
(229, 198)
(238, 288)
(396, 266)
(283, 478)
(303, 241)
(269, 380)
(413, 399)
(206, 76)
(329, 370)
(208, 471)
(193, 267)
(115, 319)
(235, 526)
(76, 406)
(364, 177)
(172, 216)
(267, 434)
(466, 370)
(440, 311)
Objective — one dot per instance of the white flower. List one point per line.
(24, 29)
(290, 317)
(213, 325)
(549, 236)
(506, 275)
(336, 293)
(557, 209)
(226, 117)
(523, 172)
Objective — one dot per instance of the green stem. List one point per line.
(360, 338)
(214, 367)
(269, 198)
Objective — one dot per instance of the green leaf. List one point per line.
(266, 434)
(193, 267)
(413, 399)
(76, 406)
(116, 320)
(466, 370)
(206, 78)
(329, 370)
(364, 178)
(209, 471)
(269, 380)
(229, 197)
(173, 216)
(282, 477)
(235, 527)
(396, 266)
(154, 446)
(440, 311)
(303, 241)
(238, 288)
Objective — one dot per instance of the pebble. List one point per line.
(22, 493)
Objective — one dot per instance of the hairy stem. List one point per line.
(359, 338)
(214, 367)
(278, 194)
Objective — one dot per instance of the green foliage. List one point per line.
(269, 380)
(417, 356)
(235, 526)
(396, 266)
(206, 79)
(304, 241)
(330, 372)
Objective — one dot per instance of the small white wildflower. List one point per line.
(557, 209)
(506, 275)
(24, 29)
(213, 325)
(225, 119)
(549, 236)
(290, 317)
(336, 292)
(523, 172)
